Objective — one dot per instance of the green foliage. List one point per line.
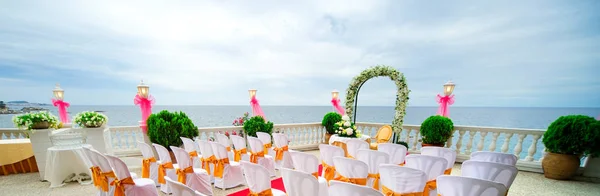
(403, 143)
(329, 120)
(436, 130)
(29, 119)
(165, 128)
(90, 119)
(257, 124)
(573, 134)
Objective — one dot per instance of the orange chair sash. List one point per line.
(228, 148)
(262, 193)
(448, 171)
(328, 171)
(193, 154)
(207, 161)
(376, 178)
(266, 148)
(279, 152)
(146, 167)
(103, 180)
(120, 185)
(358, 181)
(343, 146)
(237, 154)
(96, 175)
(220, 167)
(182, 173)
(430, 185)
(162, 171)
(316, 175)
(388, 192)
(255, 155)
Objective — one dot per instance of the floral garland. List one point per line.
(401, 95)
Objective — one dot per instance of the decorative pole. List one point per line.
(60, 104)
(256, 110)
(145, 100)
(336, 102)
(446, 100)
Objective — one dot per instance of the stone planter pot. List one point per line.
(41, 125)
(327, 136)
(86, 125)
(560, 166)
(435, 145)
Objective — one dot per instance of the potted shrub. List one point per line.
(90, 119)
(567, 139)
(436, 130)
(257, 124)
(35, 120)
(166, 127)
(328, 122)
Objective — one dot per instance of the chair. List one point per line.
(401, 180)
(354, 145)
(432, 166)
(351, 170)
(337, 188)
(396, 152)
(299, 183)
(327, 154)
(149, 166)
(95, 170)
(166, 168)
(223, 139)
(373, 159)
(446, 153)
(125, 184)
(196, 178)
(258, 179)
(496, 172)
(181, 189)
(310, 164)
(192, 149)
(495, 157)
(258, 156)
(227, 173)
(106, 174)
(383, 136)
(240, 152)
(465, 186)
(266, 140)
(282, 154)
(208, 158)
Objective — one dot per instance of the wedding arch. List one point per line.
(377, 71)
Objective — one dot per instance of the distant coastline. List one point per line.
(23, 107)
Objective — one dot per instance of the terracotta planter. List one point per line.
(327, 136)
(173, 160)
(437, 145)
(560, 166)
(40, 125)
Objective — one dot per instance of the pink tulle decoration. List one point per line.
(337, 106)
(256, 110)
(444, 102)
(145, 106)
(62, 109)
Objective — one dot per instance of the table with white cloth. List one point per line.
(63, 161)
(336, 140)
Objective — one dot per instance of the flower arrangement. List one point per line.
(345, 128)
(35, 120)
(90, 119)
(240, 121)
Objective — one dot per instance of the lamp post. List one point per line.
(446, 100)
(145, 100)
(336, 102)
(60, 103)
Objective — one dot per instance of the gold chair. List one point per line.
(383, 136)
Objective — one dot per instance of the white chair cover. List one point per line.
(207, 152)
(446, 153)
(181, 189)
(165, 157)
(280, 141)
(496, 172)
(299, 183)
(92, 157)
(350, 168)
(495, 157)
(148, 153)
(327, 154)
(431, 165)
(258, 178)
(256, 145)
(189, 145)
(232, 172)
(142, 186)
(396, 152)
(402, 179)
(354, 145)
(266, 139)
(337, 188)
(373, 159)
(104, 168)
(224, 140)
(199, 179)
(464, 186)
(240, 143)
(310, 164)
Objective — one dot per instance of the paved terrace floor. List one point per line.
(525, 184)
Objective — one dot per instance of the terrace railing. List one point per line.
(11, 133)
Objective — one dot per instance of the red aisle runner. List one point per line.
(275, 184)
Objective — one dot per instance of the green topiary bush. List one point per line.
(329, 120)
(436, 130)
(165, 128)
(257, 124)
(573, 135)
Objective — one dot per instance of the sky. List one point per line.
(499, 53)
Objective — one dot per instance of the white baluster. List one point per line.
(507, 137)
(449, 142)
(470, 143)
(131, 140)
(415, 140)
(116, 139)
(532, 148)
(459, 142)
(494, 139)
(519, 146)
(481, 140)
(407, 140)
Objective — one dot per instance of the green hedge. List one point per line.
(573, 134)
(165, 128)
(257, 124)
(329, 120)
(436, 130)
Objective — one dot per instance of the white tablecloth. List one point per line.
(64, 161)
(336, 138)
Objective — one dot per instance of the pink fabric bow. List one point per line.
(256, 108)
(145, 106)
(444, 102)
(62, 109)
(337, 106)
